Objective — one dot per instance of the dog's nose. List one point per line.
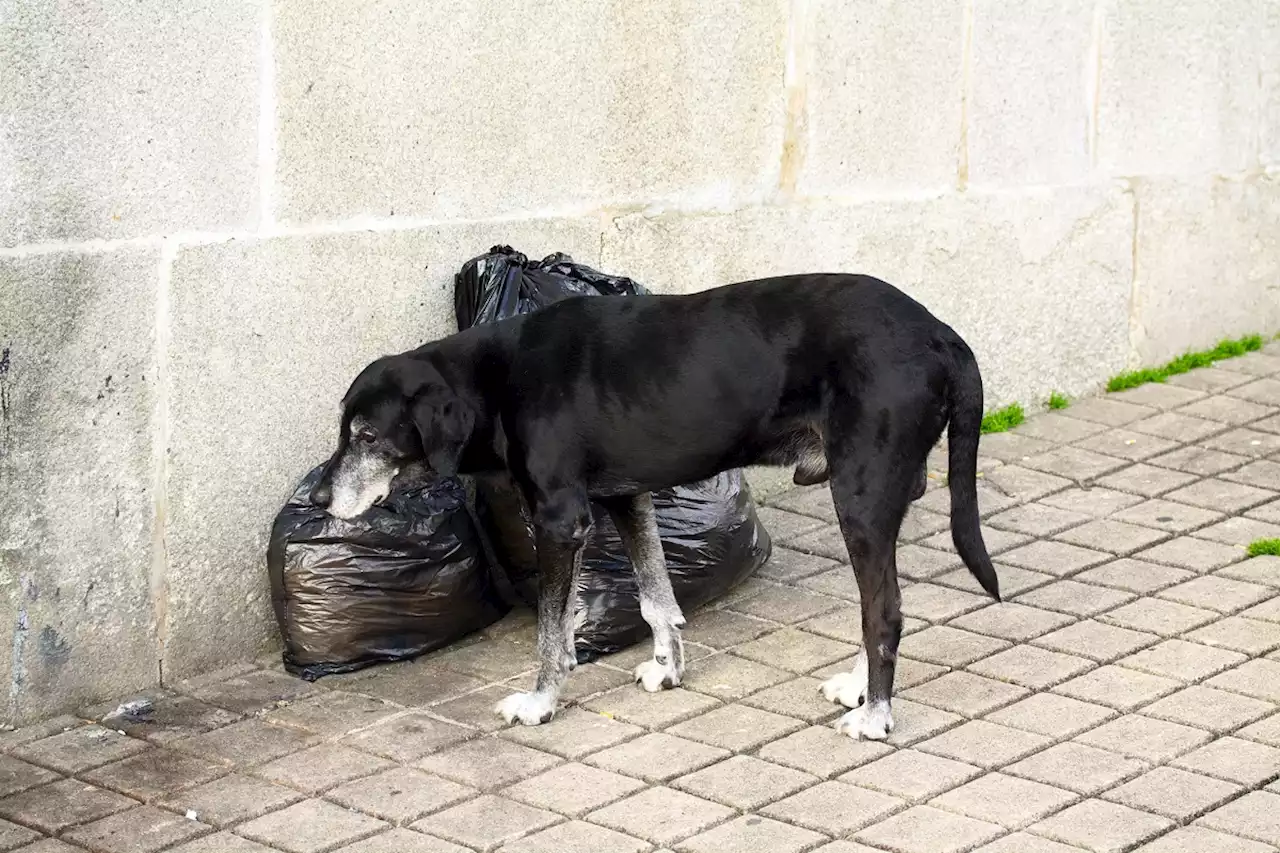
(322, 495)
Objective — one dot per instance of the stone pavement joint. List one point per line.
(1125, 697)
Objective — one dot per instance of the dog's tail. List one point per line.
(964, 393)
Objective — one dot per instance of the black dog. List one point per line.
(843, 376)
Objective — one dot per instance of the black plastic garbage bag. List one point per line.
(405, 577)
(711, 535)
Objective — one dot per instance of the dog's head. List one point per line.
(400, 422)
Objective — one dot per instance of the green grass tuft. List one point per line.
(1261, 547)
(1058, 401)
(1185, 362)
(1003, 420)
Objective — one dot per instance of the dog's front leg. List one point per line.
(561, 527)
(638, 528)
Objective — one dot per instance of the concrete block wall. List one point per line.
(213, 214)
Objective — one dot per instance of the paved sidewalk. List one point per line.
(1126, 695)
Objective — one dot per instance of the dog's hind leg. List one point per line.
(871, 483)
(562, 523)
(638, 527)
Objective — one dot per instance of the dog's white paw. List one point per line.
(847, 688)
(654, 676)
(869, 722)
(531, 709)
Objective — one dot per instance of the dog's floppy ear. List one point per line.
(444, 424)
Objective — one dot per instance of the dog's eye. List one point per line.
(366, 435)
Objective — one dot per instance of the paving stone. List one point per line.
(310, 827)
(1257, 678)
(1011, 621)
(651, 710)
(1011, 446)
(661, 815)
(997, 541)
(843, 846)
(16, 775)
(475, 710)
(320, 768)
(1193, 554)
(826, 542)
(1057, 428)
(1239, 633)
(912, 775)
(949, 646)
(332, 713)
(1220, 496)
(248, 693)
(1109, 412)
(965, 693)
(1158, 395)
(985, 744)
(1264, 391)
(1258, 363)
(573, 789)
(48, 845)
(1052, 715)
(1177, 427)
(924, 829)
(1093, 501)
(232, 799)
(155, 774)
(728, 677)
(1075, 463)
(1102, 826)
(837, 583)
(1211, 379)
(1097, 641)
(1013, 580)
(1247, 442)
(1239, 531)
(1135, 576)
(12, 835)
(1197, 839)
(246, 743)
(721, 629)
(489, 660)
(1074, 598)
(913, 722)
(1227, 409)
(1021, 842)
(1268, 611)
(1255, 815)
(408, 737)
(787, 566)
(80, 749)
(1182, 660)
(488, 763)
(736, 727)
(1264, 570)
(1266, 731)
(1118, 687)
(576, 732)
(53, 807)
(919, 563)
(576, 837)
(1262, 474)
(935, 603)
(1235, 760)
(141, 830)
(783, 525)
(1218, 593)
(396, 841)
(1118, 537)
(798, 651)
(1173, 793)
(1269, 512)
(1055, 558)
(174, 717)
(1037, 519)
(1208, 708)
(787, 605)
(1167, 515)
(822, 752)
(1146, 480)
(800, 698)
(750, 834)
(919, 523)
(486, 822)
(833, 808)
(1077, 767)
(744, 782)
(1166, 618)
(1145, 738)
(400, 795)
(1029, 666)
(1201, 461)
(1126, 444)
(1005, 800)
(658, 757)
